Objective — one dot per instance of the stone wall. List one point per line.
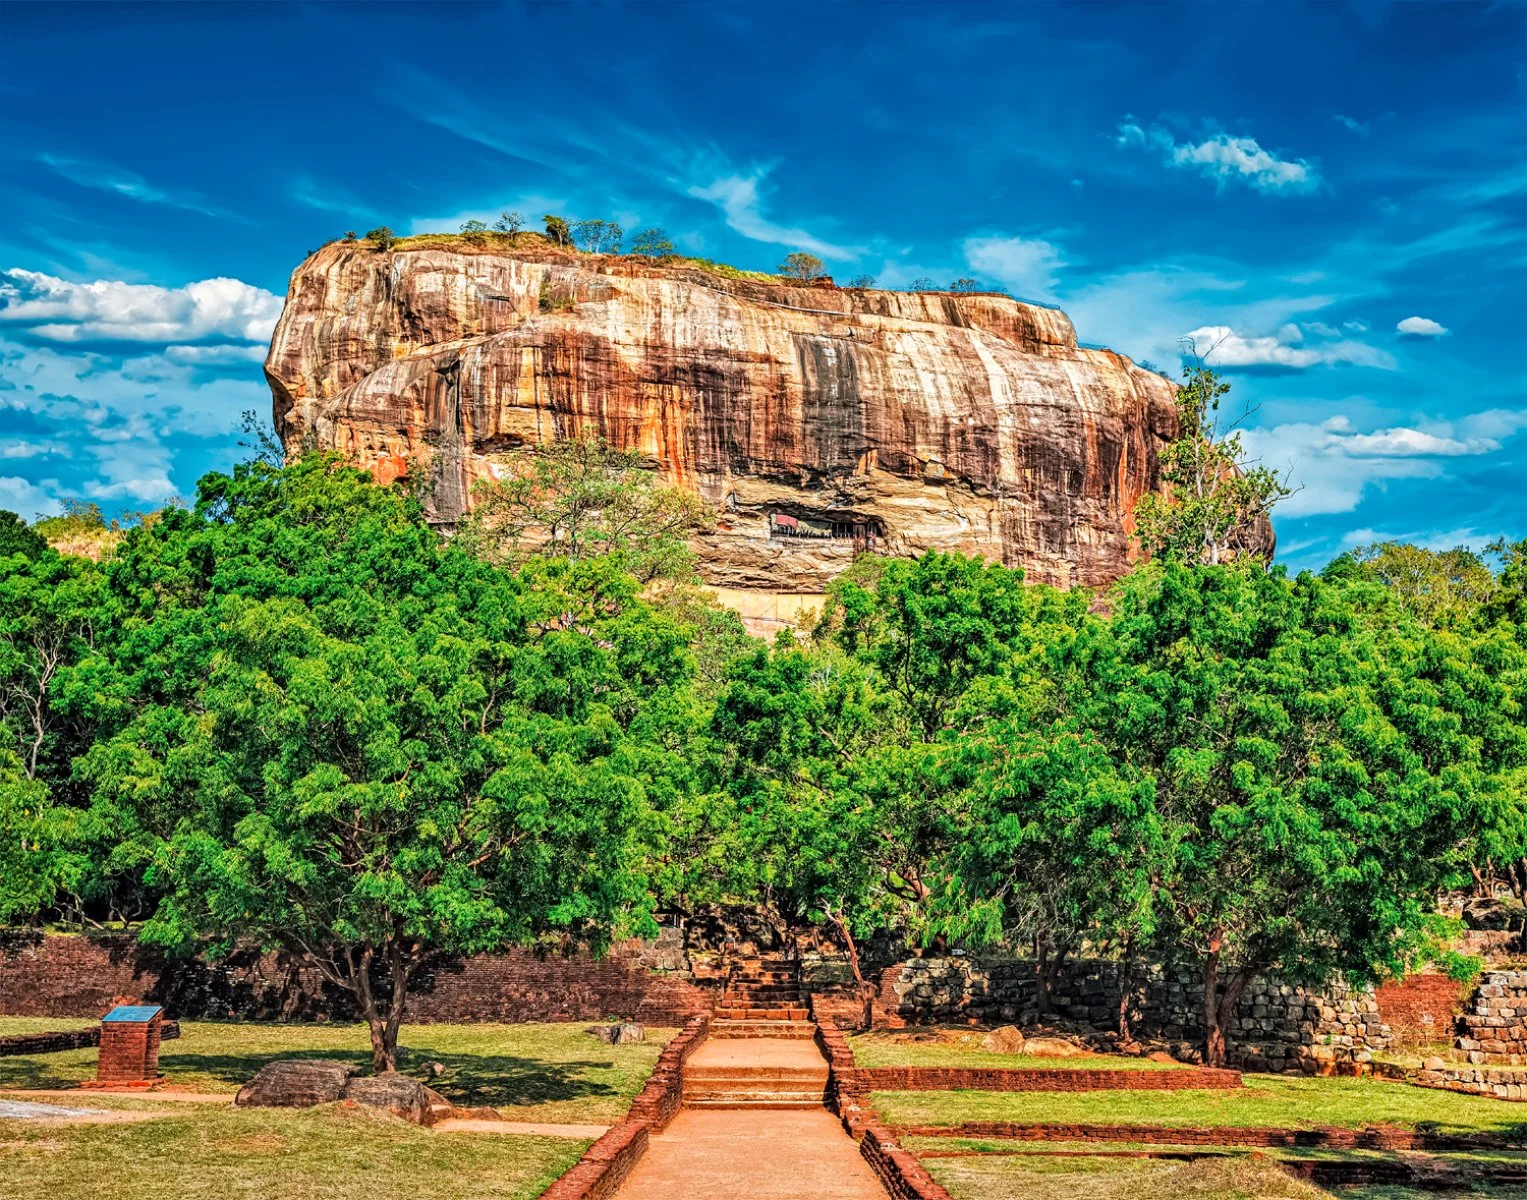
(1421, 1008)
(1493, 1028)
(1277, 1027)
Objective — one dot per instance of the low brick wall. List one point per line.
(1331, 1137)
(56, 975)
(1420, 1008)
(899, 1171)
(1042, 1079)
(75, 1039)
(606, 1164)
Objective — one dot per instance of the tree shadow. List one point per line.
(469, 1079)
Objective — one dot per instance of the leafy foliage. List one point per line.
(1217, 499)
(652, 243)
(801, 267)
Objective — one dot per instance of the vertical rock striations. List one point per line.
(819, 421)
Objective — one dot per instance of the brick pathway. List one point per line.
(752, 1154)
(756, 1130)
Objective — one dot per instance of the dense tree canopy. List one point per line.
(294, 714)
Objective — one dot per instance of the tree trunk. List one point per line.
(1219, 1004)
(384, 1017)
(1050, 958)
(864, 990)
(1126, 982)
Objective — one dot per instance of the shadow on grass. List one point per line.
(469, 1079)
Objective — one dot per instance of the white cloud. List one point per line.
(123, 423)
(110, 310)
(1422, 327)
(1222, 346)
(1028, 266)
(1352, 125)
(1224, 158)
(209, 356)
(738, 199)
(1333, 463)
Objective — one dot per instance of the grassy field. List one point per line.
(12, 1026)
(1266, 1100)
(207, 1152)
(964, 1050)
(530, 1072)
(1116, 1179)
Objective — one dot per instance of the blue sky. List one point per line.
(1333, 196)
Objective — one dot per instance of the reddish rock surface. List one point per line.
(968, 422)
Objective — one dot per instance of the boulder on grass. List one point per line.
(401, 1095)
(627, 1033)
(297, 1083)
(1007, 1040)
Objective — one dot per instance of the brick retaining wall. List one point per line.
(1040, 1079)
(79, 976)
(606, 1164)
(1421, 1007)
(1330, 1137)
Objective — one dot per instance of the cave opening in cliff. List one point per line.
(861, 531)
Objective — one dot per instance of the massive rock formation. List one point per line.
(818, 420)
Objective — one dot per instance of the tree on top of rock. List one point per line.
(1217, 498)
(801, 266)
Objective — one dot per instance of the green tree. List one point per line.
(355, 741)
(653, 243)
(475, 231)
(16, 537)
(597, 237)
(863, 282)
(965, 284)
(381, 238)
(1216, 498)
(801, 267)
(1438, 588)
(558, 230)
(580, 497)
(510, 223)
(1315, 778)
(933, 627)
(923, 284)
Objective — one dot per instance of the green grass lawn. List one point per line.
(903, 1050)
(547, 1072)
(206, 1152)
(1036, 1178)
(1266, 1100)
(14, 1026)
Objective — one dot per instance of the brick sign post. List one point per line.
(129, 1047)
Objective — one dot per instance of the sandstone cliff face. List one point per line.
(903, 420)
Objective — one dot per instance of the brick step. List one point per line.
(780, 998)
(754, 1079)
(747, 1012)
(758, 1100)
(722, 1027)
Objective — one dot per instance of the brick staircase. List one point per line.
(756, 1073)
(762, 999)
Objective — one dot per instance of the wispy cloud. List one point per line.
(106, 177)
(1028, 266)
(1225, 158)
(737, 196)
(1333, 463)
(110, 310)
(1352, 125)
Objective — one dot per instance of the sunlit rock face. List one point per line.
(818, 421)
